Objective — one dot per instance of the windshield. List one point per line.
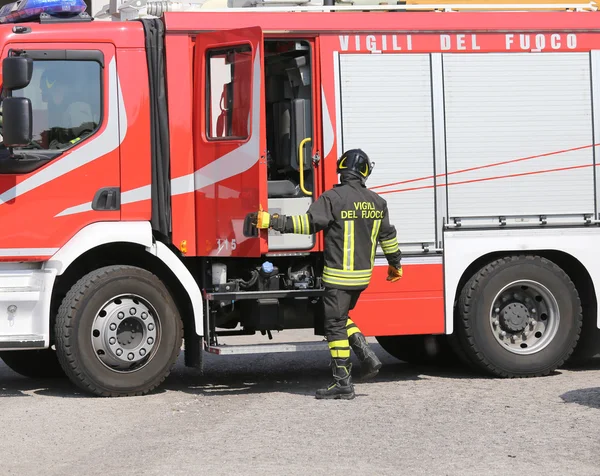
(66, 102)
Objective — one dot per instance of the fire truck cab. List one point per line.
(134, 151)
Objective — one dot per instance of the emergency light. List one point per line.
(24, 10)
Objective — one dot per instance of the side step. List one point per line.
(267, 348)
(9, 342)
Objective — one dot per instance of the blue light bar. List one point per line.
(27, 10)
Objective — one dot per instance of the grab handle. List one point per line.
(301, 160)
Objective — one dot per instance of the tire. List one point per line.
(110, 316)
(527, 298)
(419, 349)
(41, 363)
(588, 345)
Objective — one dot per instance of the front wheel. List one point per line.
(118, 332)
(519, 316)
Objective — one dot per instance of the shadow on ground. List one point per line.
(589, 397)
(295, 373)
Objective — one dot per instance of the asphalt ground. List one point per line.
(257, 415)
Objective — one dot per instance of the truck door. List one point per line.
(229, 141)
(69, 175)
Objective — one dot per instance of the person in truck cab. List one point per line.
(68, 117)
(354, 219)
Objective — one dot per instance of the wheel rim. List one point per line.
(126, 333)
(524, 317)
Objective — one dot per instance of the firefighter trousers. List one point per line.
(337, 303)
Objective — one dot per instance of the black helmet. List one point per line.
(355, 162)
(53, 77)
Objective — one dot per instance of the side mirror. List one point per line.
(17, 121)
(16, 72)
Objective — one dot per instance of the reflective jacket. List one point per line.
(354, 219)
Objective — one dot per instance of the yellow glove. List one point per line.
(263, 219)
(394, 274)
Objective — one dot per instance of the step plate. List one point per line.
(267, 348)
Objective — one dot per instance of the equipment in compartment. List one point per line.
(267, 298)
(289, 117)
(289, 136)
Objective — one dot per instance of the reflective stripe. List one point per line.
(349, 282)
(390, 246)
(339, 343)
(340, 354)
(342, 273)
(348, 263)
(374, 235)
(301, 224)
(352, 245)
(342, 277)
(351, 328)
(306, 230)
(347, 278)
(389, 251)
(339, 349)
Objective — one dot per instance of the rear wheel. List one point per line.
(41, 363)
(519, 316)
(118, 332)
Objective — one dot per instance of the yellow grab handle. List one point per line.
(301, 160)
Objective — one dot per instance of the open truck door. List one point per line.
(230, 142)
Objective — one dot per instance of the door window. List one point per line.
(229, 93)
(66, 98)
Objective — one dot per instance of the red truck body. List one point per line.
(184, 192)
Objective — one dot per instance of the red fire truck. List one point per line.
(134, 152)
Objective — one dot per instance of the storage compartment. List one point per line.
(386, 103)
(519, 131)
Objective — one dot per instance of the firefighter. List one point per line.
(354, 220)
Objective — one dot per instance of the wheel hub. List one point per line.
(514, 317)
(524, 317)
(125, 333)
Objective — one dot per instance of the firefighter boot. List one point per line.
(341, 386)
(369, 362)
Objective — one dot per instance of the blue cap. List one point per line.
(267, 267)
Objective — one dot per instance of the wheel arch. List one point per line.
(572, 249)
(572, 266)
(130, 243)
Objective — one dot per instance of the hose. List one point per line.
(251, 282)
